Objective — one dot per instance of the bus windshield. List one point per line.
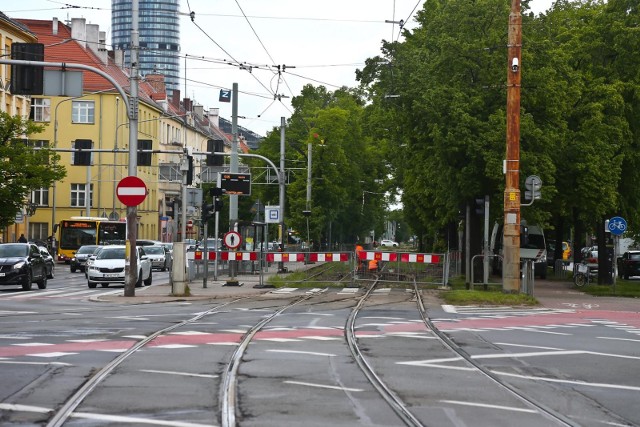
(74, 234)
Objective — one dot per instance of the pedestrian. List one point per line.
(373, 266)
(359, 249)
(22, 239)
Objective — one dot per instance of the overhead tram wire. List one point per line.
(408, 17)
(239, 64)
(280, 76)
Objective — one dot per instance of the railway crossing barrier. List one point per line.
(425, 268)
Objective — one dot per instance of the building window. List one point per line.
(83, 112)
(78, 195)
(41, 109)
(40, 197)
(38, 231)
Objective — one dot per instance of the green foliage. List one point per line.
(23, 169)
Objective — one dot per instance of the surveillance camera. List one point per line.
(514, 65)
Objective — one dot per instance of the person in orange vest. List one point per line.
(373, 266)
(359, 249)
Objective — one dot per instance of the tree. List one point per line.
(23, 168)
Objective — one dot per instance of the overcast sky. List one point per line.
(326, 41)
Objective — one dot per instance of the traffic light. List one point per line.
(27, 79)
(82, 158)
(215, 145)
(144, 159)
(190, 171)
(479, 206)
(207, 211)
(219, 204)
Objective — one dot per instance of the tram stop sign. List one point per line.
(131, 191)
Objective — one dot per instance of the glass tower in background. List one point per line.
(159, 28)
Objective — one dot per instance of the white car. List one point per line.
(386, 243)
(108, 267)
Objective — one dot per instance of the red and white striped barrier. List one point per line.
(402, 257)
(312, 256)
(227, 256)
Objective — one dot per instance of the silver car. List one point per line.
(158, 256)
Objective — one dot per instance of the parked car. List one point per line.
(79, 260)
(147, 242)
(386, 243)
(22, 264)
(49, 262)
(532, 247)
(629, 264)
(159, 257)
(108, 267)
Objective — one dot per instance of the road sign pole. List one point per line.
(131, 263)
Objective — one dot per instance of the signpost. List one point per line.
(617, 225)
(232, 239)
(131, 191)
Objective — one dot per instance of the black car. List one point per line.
(630, 264)
(22, 264)
(79, 260)
(48, 260)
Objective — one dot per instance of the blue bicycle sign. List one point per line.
(617, 225)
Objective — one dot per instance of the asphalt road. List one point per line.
(575, 356)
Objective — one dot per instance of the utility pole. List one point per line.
(511, 261)
(131, 262)
(282, 188)
(233, 165)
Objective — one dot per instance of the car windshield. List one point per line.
(154, 250)
(13, 250)
(635, 256)
(111, 253)
(86, 249)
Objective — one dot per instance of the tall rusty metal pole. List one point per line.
(511, 242)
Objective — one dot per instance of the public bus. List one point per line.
(78, 231)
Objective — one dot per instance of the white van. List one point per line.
(532, 246)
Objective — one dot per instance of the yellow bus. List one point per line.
(78, 231)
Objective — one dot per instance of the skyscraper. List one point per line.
(159, 29)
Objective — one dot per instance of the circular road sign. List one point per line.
(131, 191)
(617, 225)
(232, 239)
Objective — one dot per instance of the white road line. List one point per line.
(332, 387)
(618, 339)
(185, 374)
(558, 380)
(19, 362)
(484, 405)
(310, 353)
(24, 408)
(527, 346)
(134, 420)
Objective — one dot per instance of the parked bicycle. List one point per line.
(581, 275)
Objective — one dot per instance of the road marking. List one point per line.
(24, 408)
(558, 380)
(527, 346)
(321, 338)
(186, 374)
(133, 420)
(18, 362)
(310, 353)
(332, 387)
(618, 339)
(174, 346)
(55, 354)
(485, 405)
(32, 344)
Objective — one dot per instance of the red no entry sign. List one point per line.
(131, 191)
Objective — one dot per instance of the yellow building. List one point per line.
(11, 32)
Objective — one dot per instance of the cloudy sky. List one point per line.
(320, 42)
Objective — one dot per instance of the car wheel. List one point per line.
(42, 283)
(52, 273)
(148, 281)
(26, 284)
(92, 285)
(73, 269)
(139, 281)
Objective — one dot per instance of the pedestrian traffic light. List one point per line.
(479, 206)
(27, 79)
(217, 146)
(219, 204)
(144, 159)
(80, 157)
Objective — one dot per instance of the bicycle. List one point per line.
(581, 275)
